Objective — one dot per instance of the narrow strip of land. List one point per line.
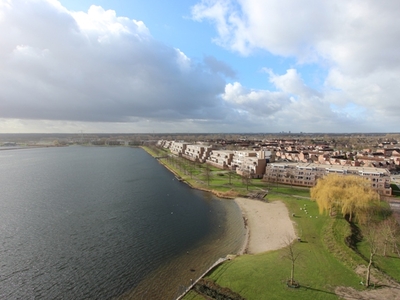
(269, 224)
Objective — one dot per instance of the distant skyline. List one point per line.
(199, 66)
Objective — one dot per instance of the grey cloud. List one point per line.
(54, 68)
(218, 66)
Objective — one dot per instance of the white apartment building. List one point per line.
(248, 162)
(220, 158)
(178, 148)
(197, 152)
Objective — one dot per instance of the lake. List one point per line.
(105, 222)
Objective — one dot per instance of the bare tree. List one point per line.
(372, 235)
(246, 179)
(207, 174)
(292, 254)
(230, 176)
(290, 175)
(389, 232)
(276, 180)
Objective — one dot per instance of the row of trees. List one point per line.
(188, 167)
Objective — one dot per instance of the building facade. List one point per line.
(307, 174)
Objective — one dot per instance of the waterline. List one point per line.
(100, 222)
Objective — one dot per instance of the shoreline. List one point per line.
(245, 247)
(268, 224)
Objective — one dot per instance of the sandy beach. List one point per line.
(268, 225)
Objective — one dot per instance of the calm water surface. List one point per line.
(98, 223)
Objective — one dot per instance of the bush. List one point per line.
(209, 288)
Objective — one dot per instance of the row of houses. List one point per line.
(377, 159)
(262, 163)
(388, 158)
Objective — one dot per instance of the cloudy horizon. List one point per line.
(210, 66)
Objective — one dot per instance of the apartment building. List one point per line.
(220, 158)
(160, 143)
(178, 148)
(167, 144)
(293, 173)
(197, 152)
(308, 173)
(249, 162)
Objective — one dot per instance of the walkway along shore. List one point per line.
(218, 262)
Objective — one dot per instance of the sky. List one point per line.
(199, 66)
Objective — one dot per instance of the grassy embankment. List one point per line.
(389, 264)
(325, 261)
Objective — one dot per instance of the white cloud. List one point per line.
(217, 12)
(376, 94)
(275, 25)
(356, 42)
(292, 107)
(262, 103)
(362, 33)
(291, 83)
(104, 25)
(183, 61)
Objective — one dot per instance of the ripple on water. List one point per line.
(87, 222)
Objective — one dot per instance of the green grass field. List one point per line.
(192, 295)
(389, 264)
(318, 271)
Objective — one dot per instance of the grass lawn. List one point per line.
(192, 295)
(288, 190)
(263, 276)
(389, 264)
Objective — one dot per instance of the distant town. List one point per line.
(285, 158)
